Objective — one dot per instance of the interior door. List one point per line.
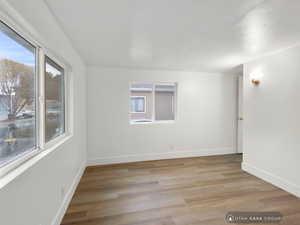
(240, 114)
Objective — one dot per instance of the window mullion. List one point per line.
(41, 100)
(153, 102)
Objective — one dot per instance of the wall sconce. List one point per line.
(255, 81)
(256, 77)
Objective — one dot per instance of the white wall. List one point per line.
(206, 117)
(35, 197)
(272, 122)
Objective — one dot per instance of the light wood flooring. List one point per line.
(191, 191)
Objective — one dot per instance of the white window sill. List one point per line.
(32, 159)
(138, 112)
(153, 122)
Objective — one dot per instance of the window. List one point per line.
(20, 88)
(17, 95)
(164, 102)
(138, 104)
(158, 99)
(54, 97)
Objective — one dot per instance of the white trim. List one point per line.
(175, 100)
(158, 156)
(14, 162)
(273, 179)
(66, 201)
(153, 102)
(153, 122)
(56, 140)
(141, 89)
(41, 99)
(12, 174)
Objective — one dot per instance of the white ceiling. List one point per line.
(208, 35)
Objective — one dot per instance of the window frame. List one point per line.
(68, 115)
(16, 166)
(29, 153)
(145, 104)
(153, 119)
(53, 63)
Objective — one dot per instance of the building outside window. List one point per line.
(152, 102)
(138, 104)
(21, 121)
(17, 95)
(54, 98)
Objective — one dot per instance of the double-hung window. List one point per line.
(23, 130)
(151, 102)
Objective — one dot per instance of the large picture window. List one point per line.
(24, 98)
(54, 97)
(159, 100)
(17, 95)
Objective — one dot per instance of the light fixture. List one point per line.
(256, 76)
(255, 81)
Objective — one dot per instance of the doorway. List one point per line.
(240, 114)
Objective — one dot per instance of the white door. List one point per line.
(240, 114)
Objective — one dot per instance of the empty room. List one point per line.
(140, 112)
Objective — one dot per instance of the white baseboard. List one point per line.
(273, 179)
(62, 210)
(158, 156)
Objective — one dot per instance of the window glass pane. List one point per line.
(54, 95)
(164, 102)
(17, 95)
(138, 104)
(141, 102)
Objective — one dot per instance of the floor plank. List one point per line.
(191, 191)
